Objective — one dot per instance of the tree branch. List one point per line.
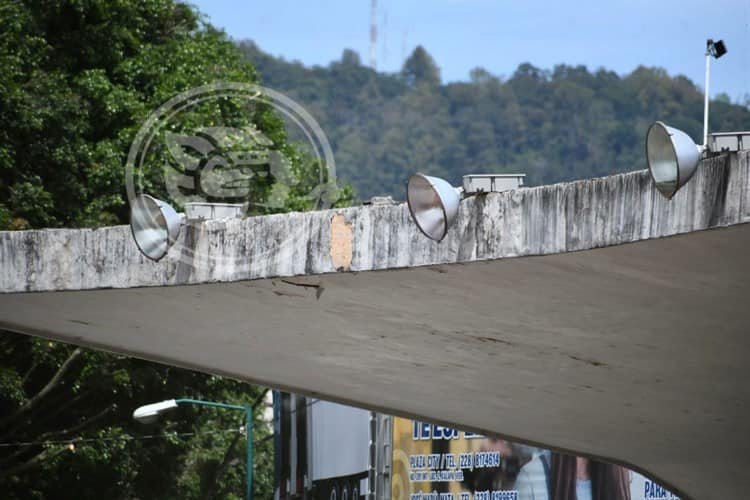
(30, 418)
(53, 382)
(259, 399)
(23, 420)
(29, 372)
(222, 468)
(57, 434)
(10, 339)
(63, 407)
(33, 462)
(83, 424)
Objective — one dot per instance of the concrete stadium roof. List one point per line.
(592, 317)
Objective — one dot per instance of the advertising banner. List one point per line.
(434, 462)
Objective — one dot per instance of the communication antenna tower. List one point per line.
(373, 33)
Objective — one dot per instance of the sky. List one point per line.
(498, 35)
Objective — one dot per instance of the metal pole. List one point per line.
(249, 430)
(705, 103)
(210, 403)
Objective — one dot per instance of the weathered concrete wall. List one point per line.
(635, 353)
(533, 221)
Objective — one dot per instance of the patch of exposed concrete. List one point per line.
(341, 243)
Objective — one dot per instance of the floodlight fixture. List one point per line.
(671, 154)
(672, 157)
(155, 225)
(433, 202)
(716, 49)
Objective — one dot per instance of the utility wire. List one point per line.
(119, 438)
(166, 435)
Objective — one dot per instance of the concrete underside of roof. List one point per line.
(592, 317)
(635, 353)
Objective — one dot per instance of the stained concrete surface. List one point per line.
(531, 221)
(634, 352)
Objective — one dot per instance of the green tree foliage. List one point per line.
(554, 125)
(420, 69)
(79, 78)
(69, 412)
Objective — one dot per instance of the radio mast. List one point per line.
(373, 33)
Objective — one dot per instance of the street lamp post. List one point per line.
(149, 413)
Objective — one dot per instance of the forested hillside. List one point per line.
(554, 125)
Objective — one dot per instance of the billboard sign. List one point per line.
(434, 462)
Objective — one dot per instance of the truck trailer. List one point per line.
(329, 451)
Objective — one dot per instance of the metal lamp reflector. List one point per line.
(672, 157)
(155, 225)
(433, 204)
